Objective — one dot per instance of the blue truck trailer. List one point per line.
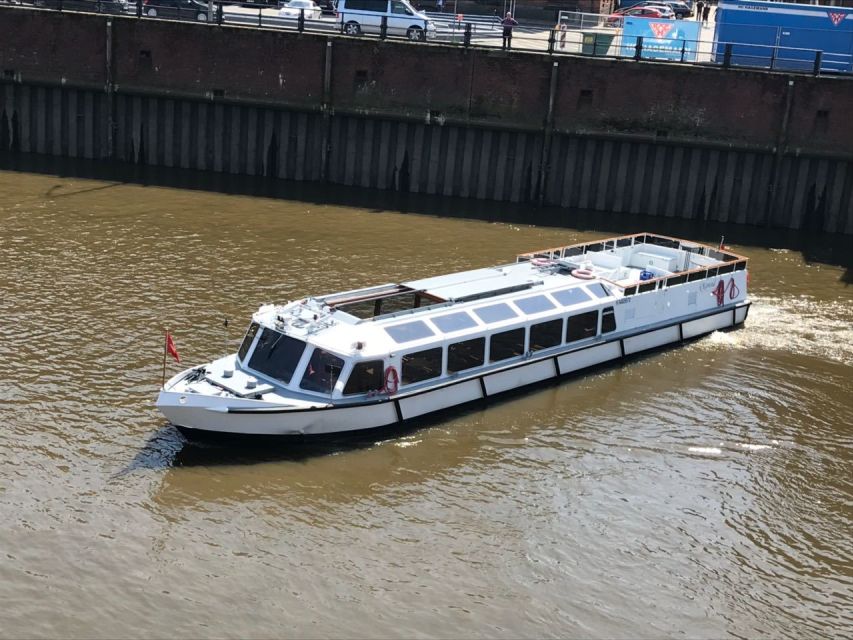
(787, 36)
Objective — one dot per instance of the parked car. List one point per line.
(293, 8)
(680, 9)
(357, 16)
(664, 9)
(92, 6)
(177, 9)
(327, 7)
(616, 18)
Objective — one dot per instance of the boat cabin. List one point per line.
(404, 336)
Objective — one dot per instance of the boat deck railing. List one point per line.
(726, 262)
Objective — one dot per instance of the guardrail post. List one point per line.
(552, 40)
(683, 47)
(727, 55)
(773, 58)
(219, 14)
(60, 5)
(383, 29)
(638, 48)
(468, 34)
(818, 59)
(301, 24)
(138, 8)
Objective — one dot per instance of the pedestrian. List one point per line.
(706, 11)
(439, 6)
(508, 23)
(699, 7)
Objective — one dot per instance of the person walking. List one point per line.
(699, 7)
(439, 6)
(508, 23)
(706, 11)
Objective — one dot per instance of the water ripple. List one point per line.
(700, 492)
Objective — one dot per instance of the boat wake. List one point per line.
(802, 326)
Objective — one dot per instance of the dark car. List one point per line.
(176, 9)
(327, 7)
(680, 9)
(91, 6)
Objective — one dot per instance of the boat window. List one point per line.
(583, 325)
(247, 341)
(599, 290)
(409, 331)
(454, 322)
(506, 344)
(534, 304)
(608, 320)
(276, 355)
(697, 275)
(495, 312)
(421, 365)
(466, 355)
(322, 372)
(365, 377)
(569, 297)
(546, 334)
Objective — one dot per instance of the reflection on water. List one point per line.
(702, 491)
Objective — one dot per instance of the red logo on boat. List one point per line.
(836, 17)
(660, 29)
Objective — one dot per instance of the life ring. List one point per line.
(541, 262)
(583, 274)
(392, 380)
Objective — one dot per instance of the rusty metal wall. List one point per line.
(584, 172)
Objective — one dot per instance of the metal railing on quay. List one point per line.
(576, 33)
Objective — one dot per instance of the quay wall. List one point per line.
(609, 135)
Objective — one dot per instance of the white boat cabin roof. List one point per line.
(376, 321)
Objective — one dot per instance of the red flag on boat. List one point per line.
(171, 349)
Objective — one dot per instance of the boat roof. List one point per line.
(420, 312)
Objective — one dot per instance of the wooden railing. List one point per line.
(726, 262)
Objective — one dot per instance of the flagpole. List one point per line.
(225, 324)
(165, 347)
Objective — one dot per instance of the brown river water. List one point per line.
(701, 492)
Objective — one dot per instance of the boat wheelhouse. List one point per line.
(383, 355)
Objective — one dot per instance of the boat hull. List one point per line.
(198, 419)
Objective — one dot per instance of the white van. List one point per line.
(359, 16)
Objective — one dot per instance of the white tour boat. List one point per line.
(384, 355)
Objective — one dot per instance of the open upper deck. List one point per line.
(631, 264)
(643, 262)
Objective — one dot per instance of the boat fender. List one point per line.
(583, 274)
(392, 380)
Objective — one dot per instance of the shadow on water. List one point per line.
(168, 447)
(832, 249)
